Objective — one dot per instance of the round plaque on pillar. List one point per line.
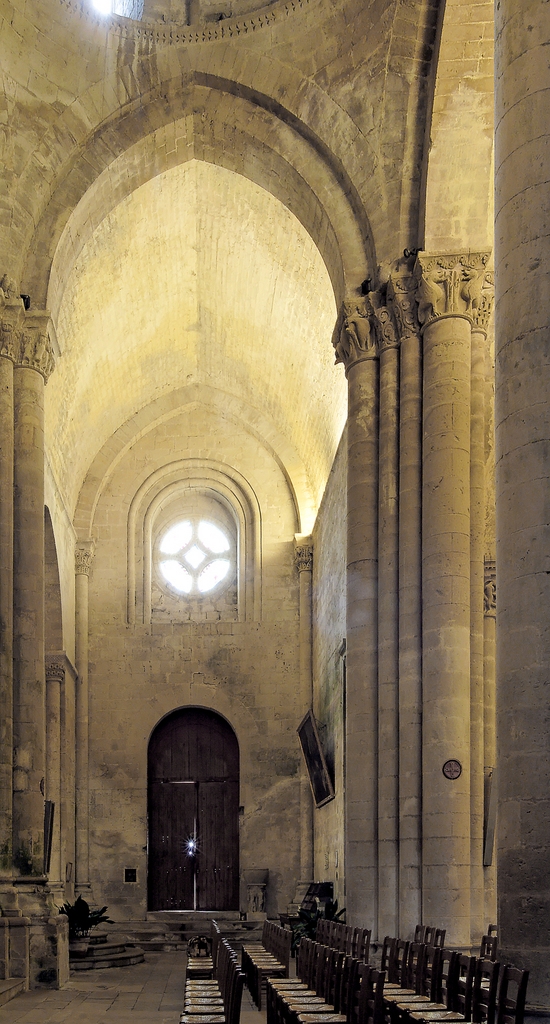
(452, 769)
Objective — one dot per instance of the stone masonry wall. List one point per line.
(246, 671)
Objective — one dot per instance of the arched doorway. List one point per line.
(193, 805)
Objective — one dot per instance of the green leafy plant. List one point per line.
(306, 926)
(82, 919)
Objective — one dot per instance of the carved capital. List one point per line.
(490, 588)
(55, 669)
(356, 339)
(482, 314)
(11, 317)
(382, 322)
(303, 557)
(36, 348)
(83, 557)
(401, 298)
(449, 285)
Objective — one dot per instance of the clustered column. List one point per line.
(32, 369)
(415, 589)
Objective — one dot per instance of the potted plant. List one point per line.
(81, 921)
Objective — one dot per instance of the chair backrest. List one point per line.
(371, 995)
(233, 1006)
(420, 933)
(429, 936)
(463, 983)
(511, 995)
(439, 937)
(398, 963)
(430, 984)
(361, 944)
(488, 947)
(484, 996)
(335, 960)
(447, 972)
(411, 974)
(322, 962)
(387, 953)
(215, 938)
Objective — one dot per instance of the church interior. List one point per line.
(213, 534)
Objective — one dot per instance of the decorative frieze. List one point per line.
(450, 285)
(356, 340)
(490, 588)
(83, 557)
(303, 557)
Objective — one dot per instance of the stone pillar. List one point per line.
(449, 289)
(32, 369)
(83, 563)
(522, 259)
(489, 739)
(388, 620)
(401, 296)
(11, 315)
(477, 582)
(55, 678)
(303, 560)
(356, 349)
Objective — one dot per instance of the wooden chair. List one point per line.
(229, 1011)
(429, 986)
(488, 947)
(512, 994)
(459, 1000)
(444, 995)
(347, 999)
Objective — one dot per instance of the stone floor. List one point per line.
(147, 993)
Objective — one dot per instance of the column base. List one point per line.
(38, 946)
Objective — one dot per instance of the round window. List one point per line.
(194, 556)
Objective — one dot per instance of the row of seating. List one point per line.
(434, 984)
(343, 937)
(426, 984)
(268, 958)
(215, 1000)
(330, 986)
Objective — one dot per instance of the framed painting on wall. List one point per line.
(319, 778)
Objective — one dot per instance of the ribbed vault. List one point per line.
(198, 277)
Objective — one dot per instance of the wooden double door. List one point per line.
(193, 813)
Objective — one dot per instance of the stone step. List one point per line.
(173, 933)
(9, 988)
(130, 955)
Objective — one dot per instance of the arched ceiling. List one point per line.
(198, 277)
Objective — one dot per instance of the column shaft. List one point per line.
(6, 612)
(410, 635)
(54, 682)
(446, 624)
(28, 623)
(477, 552)
(362, 639)
(82, 871)
(388, 644)
(304, 563)
(522, 259)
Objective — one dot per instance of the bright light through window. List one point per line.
(103, 6)
(194, 565)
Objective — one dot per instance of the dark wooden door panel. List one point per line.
(218, 828)
(172, 815)
(193, 781)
